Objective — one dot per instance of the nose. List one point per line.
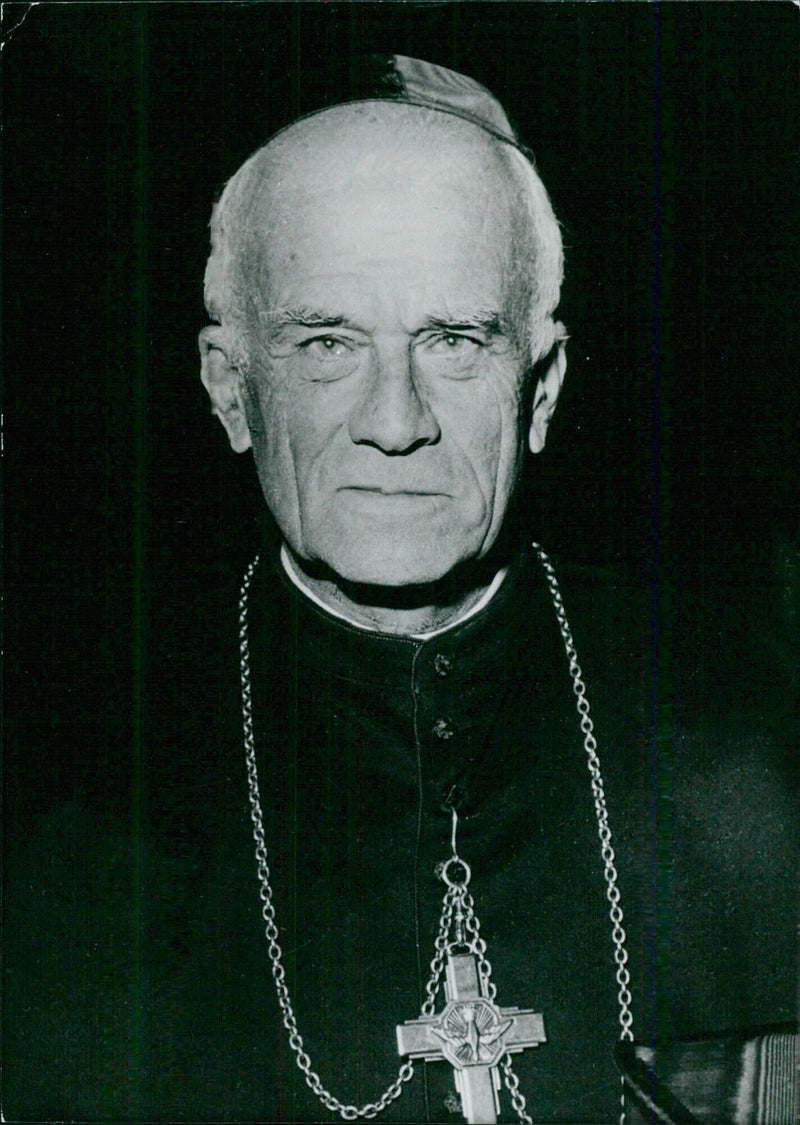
(392, 414)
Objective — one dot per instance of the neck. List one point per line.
(401, 610)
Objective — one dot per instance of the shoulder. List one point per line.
(693, 692)
(726, 760)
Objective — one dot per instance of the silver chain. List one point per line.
(406, 1071)
(623, 977)
(458, 913)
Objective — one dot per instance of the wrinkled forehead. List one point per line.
(365, 149)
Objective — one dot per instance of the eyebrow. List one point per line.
(304, 317)
(485, 320)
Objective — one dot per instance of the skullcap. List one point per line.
(400, 79)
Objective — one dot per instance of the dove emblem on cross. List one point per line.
(472, 1034)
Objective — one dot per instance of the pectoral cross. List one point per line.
(472, 1034)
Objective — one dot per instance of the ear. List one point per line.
(546, 395)
(222, 381)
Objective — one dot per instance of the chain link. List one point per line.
(601, 810)
(313, 1081)
(512, 1084)
(458, 907)
(622, 976)
(441, 946)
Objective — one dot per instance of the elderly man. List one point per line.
(452, 931)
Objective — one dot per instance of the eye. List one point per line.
(327, 357)
(454, 343)
(450, 355)
(327, 348)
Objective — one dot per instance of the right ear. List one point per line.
(222, 381)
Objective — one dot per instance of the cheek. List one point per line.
(269, 420)
(270, 414)
(287, 416)
(485, 424)
(313, 416)
(505, 394)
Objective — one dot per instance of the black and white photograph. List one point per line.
(400, 561)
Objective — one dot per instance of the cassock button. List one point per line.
(442, 729)
(442, 664)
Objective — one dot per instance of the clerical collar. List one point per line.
(486, 597)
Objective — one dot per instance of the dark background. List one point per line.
(668, 138)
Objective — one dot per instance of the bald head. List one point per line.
(406, 155)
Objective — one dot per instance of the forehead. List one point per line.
(365, 199)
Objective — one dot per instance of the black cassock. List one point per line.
(156, 998)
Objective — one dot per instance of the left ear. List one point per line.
(545, 397)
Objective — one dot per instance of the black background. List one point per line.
(668, 138)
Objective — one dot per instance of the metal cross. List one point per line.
(472, 1034)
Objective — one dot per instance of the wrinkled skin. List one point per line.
(388, 444)
(386, 390)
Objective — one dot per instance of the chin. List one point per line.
(391, 564)
(394, 543)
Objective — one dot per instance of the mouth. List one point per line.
(381, 490)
